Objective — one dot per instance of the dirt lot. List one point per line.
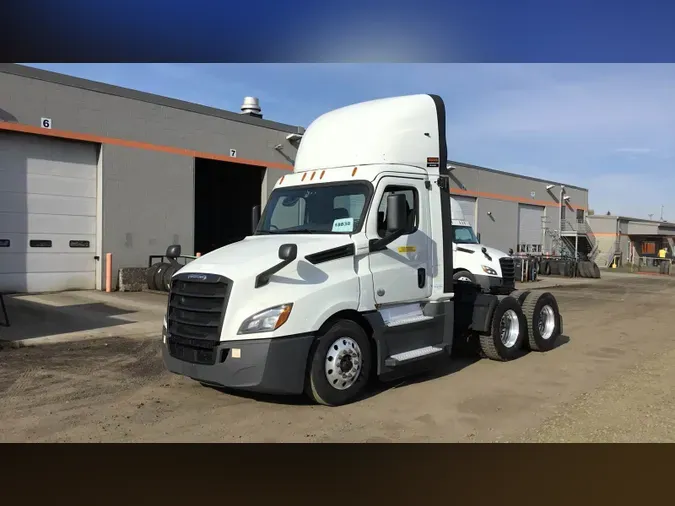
(611, 379)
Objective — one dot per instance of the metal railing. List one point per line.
(582, 228)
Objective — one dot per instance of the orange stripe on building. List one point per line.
(522, 200)
(64, 134)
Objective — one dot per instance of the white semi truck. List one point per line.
(489, 268)
(349, 273)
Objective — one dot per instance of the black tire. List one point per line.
(583, 269)
(491, 345)
(317, 385)
(150, 276)
(168, 274)
(159, 275)
(464, 274)
(519, 295)
(562, 268)
(547, 268)
(588, 269)
(596, 270)
(533, 306)
(571, 268)
(554, 268)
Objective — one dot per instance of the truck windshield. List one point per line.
(318, 209)
(463, 235)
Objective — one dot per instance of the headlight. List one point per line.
(267, 320)
(489, 270)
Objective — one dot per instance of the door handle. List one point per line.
(421, 277)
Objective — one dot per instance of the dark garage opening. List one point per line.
(225, 193)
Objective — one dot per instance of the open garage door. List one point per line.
(530, 228)
(468, 205)
(47, 214)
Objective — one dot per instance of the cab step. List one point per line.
(412, 355)
(408, 320)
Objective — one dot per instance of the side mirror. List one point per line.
(173, 252)
(397, 213)
(255, 218)
(288, 252)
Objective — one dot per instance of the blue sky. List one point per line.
(606, 127)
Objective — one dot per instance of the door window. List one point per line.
(412, 204)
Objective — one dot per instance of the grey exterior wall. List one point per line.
(146, 196)
(140, 216)
(501, 193)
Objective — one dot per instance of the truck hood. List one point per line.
(256, 254)
(476, 248)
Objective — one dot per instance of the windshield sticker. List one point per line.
(343, 225)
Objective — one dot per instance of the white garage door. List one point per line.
(529, 228)
(468, 205)
(47, 214)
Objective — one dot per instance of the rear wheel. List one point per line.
(340, 364)
(508, 331)
(519, 295)
(543, 320)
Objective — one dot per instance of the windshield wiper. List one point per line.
(297, 231)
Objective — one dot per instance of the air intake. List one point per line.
(251, 107)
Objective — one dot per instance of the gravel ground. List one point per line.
(611, 379)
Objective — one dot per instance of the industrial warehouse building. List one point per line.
(623, 240)
(88, 168)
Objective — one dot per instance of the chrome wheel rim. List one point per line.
(343, 363)
(546, 323)
(509, 328)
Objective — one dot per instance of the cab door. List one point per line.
(402, 271)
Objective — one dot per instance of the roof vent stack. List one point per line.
(251, 107)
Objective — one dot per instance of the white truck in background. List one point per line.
(491, 269)
(349, 272)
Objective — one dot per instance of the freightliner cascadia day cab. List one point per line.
(349, 273)
(489, 268)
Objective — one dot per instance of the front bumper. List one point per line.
(495, 285)
(275, 366)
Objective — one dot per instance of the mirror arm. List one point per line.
(264, 277)
(381, 244)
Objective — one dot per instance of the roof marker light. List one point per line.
(323, 172)
(354, 171)
(304, 176)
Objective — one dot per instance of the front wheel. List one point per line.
(464, 276)
(340, 364)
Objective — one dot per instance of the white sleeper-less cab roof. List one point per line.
(400, 130)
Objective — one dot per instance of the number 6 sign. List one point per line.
(46, 123)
